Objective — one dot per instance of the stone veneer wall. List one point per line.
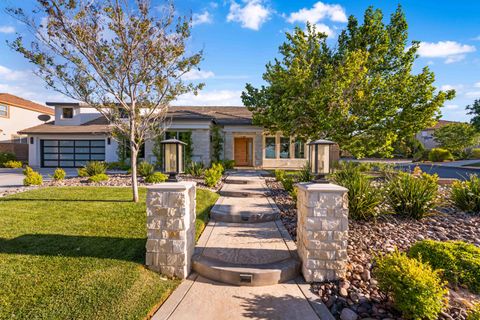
(171, 228)
(322, 230)
(201, 146)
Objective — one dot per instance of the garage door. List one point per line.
(71, 153)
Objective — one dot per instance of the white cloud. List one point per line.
(251, 16)
(197, 75)
(450, 50)
(201, 18)
(13, 75)
(477, 85)
(319, 11)
(325, 29)
(477, 38)
(7, 29)
(451, 106)
(455, 87)
(473, 94)
(211, 98)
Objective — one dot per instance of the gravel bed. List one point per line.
(358, 296)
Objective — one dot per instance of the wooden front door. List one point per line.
(243, 151)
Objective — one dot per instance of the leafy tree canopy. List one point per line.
(361, 93)
(474, 110)
(456, 137)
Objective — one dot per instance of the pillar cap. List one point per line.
(323, 187)
(173, 186)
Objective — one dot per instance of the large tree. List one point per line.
(474, 110)
(120, 57)
(361, 93)
(456, 137)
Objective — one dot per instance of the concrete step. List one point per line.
(232, 179)
(250, 254)
(249, 190)
(234, 209)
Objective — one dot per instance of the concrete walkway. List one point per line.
(245, 263)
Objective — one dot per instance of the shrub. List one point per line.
(59, 174)
(156, 177)
(475, 153)
(13, 164)
(5, 157)
(145, 169)
(82, 172)
(218, 167)
(412, 196)
(293, 194)
(32, 178)
(118, 165)
(474, 313)
(228, 164)
(305, 175)
(98, 177)
(279, 174)
(213, 176)
(363, 198)
(466, 194)
(288, 183)
(195, 169)
(439, 155)
(459, 260)
(93, 168)
(415, 287)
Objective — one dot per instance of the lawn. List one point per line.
(78, 253)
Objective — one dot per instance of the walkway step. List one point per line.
(250, 254)
(233, 209)
(254, 189)
(232, 179)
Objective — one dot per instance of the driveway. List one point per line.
(14, 177)
(444, 170)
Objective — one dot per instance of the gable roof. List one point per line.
(15, 101)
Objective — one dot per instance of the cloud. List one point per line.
(13, 75)
(7, 29)
(251, 16)
(477, 38)
(450, 50)
(201, 18)
(325, 29)
(456, 87)
(197, 75)
(318, 12)
(451, 106)
(211, 98)
(477, 85)
(473, 94)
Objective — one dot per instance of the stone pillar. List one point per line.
(171, 228)
(322, 230)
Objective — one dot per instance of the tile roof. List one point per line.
(441, 123)
(15, 101)
(96, 126)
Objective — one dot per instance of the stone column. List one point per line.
(322, 230)
(171, 228)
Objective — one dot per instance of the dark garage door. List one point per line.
(71, 153)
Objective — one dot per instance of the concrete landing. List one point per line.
(244, 190)
(235, 209)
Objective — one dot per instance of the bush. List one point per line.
(93, 168)
(279, 174)
(294, 194)
(219, 167)
(305, 175)
(459, 260)
(82, 172)
(439, 155)
(13, 164)
(466, 194)
(363, 198)
(213, 176)
(32, 178)
(59, 174)
(228, 164)
(156, 177)
(412, 196)
(415, 287)
(98, 177)
(145, 169)
(288, 183)
(474, 313)
(118, 165)
(475, 153)
(195, 169)
(5, 157)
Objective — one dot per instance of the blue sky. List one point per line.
(239, 37)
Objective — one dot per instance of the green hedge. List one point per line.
(439, 155)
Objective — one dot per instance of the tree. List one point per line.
(456, 137)
(474, 110)
(118, 56)
(361, 93)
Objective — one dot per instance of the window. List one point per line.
(299, 149)
(17, 139)
(270, 148)
(67, 113)
(284, 148)
(4, 111)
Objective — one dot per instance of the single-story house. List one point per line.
(79, 134)
(426, 135)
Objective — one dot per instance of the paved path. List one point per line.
(245, 263)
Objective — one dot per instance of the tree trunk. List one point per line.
(133, 162)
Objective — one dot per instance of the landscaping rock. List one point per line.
(348, 314)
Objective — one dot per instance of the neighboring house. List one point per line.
(17, 114)
(78, 135)
(426, 136)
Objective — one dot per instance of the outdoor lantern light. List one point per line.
(173, 158)
(319, 159)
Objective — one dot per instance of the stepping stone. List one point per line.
(251, 254)
(234, 209)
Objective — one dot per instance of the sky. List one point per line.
(239, 37)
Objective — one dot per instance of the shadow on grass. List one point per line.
(127, 249)
(64, 200)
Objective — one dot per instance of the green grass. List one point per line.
(78, 253)
(475, 164)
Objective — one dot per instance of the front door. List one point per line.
(243, 151)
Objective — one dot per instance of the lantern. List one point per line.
(319, 159)
(173, 158)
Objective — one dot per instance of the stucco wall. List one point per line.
(18, 119)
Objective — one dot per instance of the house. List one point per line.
(79, 134)
(426, 135)
(17, 114)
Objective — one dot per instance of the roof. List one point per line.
(15, 101)
(441, 123)
(218, 114)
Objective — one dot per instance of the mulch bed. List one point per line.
(359, 292)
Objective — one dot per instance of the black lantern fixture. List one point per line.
(319, 159)
(173, 158)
